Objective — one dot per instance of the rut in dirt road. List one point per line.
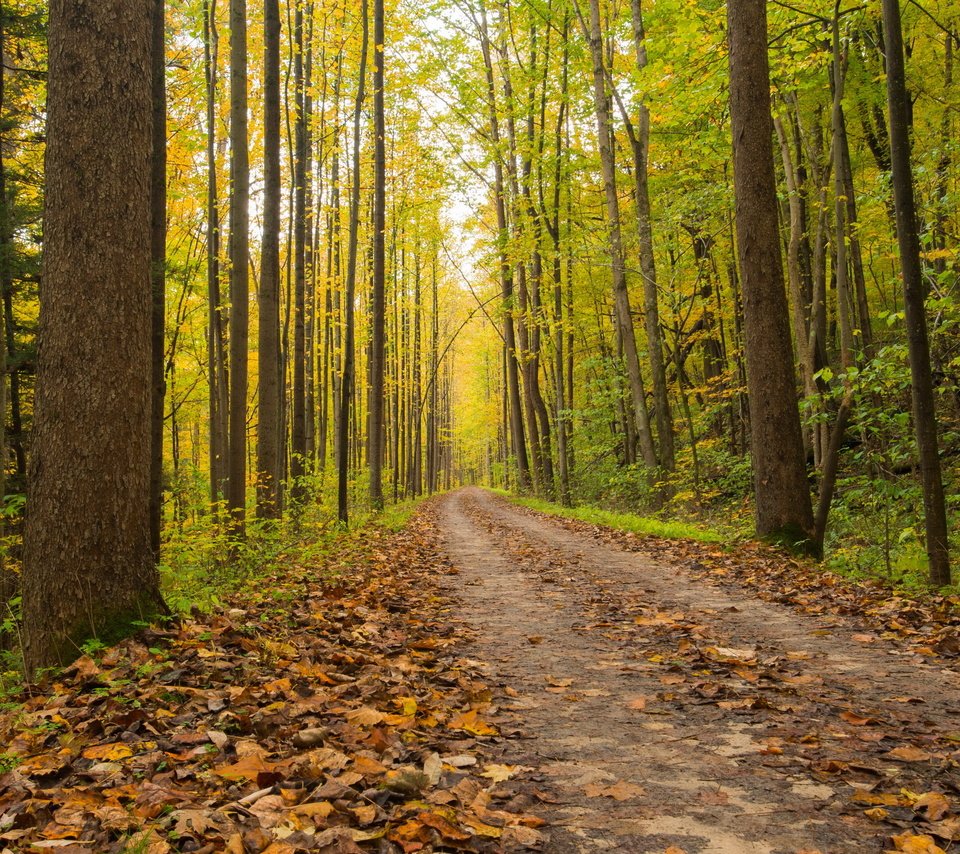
(660, 711)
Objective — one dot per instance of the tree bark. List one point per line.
(783, 507)
(349, 356)
(621, 297)
(239, 265)
(924, 406)
(216, 356)
(298, 437)
(268, 421)
(378, 307)
(648, 268)
(88, 563)
(517, 432)
(158, 252)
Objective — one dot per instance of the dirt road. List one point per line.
(656, 710)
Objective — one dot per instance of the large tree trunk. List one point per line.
(268, 422)
(924, 407)
(239, 265)
(783, 508)
(88, 563)
(378, 308)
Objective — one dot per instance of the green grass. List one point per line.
(200, 568)
(644, 525)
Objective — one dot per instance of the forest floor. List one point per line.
(491, 679)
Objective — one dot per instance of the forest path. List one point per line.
(658, 710)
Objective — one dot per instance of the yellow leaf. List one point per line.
(248, 768)
(911, 844)
(469, 722)
(109, 752)
(499, 773)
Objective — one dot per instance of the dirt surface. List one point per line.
(656, 709)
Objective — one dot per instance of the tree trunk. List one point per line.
(924, 406)
(268, 422)
(298, 442)
(158, 253)
(216, 357)
(239, 265)
(378, 307)
(621, 297)
(783, 510)
(506, 275)
(651, 307)
(349, 356)
(88, 563)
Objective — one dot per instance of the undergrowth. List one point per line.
(201, 566)
(650, 526)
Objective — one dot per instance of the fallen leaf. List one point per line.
(934, 804)
(912, 844)
(908, 754)
(619, 791)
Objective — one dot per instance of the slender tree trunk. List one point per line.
(561, 154)
(651, 304)
(783, 508)
(844, 301)
(506, 274)
(378, 309)
(239, 264)
(924, 406)
(309, 261)
(298, 444)
(216, 356)
(349, 356)
(9, 580)
(621, 296)
(268, 423)
(88, 564)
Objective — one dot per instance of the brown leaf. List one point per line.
(442, 826)
(909, 754)
(619, 791)
(935, 804)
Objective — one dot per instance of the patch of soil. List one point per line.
(663, 711)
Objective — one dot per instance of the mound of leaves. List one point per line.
(323, 710)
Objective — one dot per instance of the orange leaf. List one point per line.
(443, 827)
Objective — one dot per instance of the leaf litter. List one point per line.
(333, 716)
(345, 715)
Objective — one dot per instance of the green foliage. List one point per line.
(9, 761)
(625, 521)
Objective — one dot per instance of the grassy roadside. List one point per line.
(621, 521)
(201, 570)
(200, 566)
